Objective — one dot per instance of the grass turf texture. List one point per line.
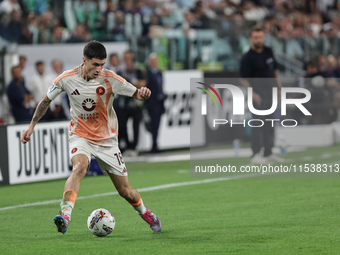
(240, 216)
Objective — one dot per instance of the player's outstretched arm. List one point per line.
(38, 114)
(142, 94)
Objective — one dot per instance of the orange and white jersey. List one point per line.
(91, 103)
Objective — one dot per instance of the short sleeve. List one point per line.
(56, 88)
(126, 89)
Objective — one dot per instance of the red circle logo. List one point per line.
(74, 150)
(100, 91)
(88, 104)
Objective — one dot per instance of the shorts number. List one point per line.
(119, 158)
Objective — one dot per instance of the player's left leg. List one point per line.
(80, 166)
(131, 195)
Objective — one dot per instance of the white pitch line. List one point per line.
(153, 188)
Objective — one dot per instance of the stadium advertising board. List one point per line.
(45, 157)
(180, 112)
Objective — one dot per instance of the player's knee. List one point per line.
(80, 169)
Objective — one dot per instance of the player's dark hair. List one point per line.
(38, 63)
(113, 55)
(255, 29)
(94, 49)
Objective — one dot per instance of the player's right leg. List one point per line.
(131, 195)
(80, 166)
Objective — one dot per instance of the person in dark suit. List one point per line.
(155, 104)
(19, 97)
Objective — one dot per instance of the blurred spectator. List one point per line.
(189, 22)
(186, 3)
(38, 85)
(155, 103)
(8, 6)
(22, 62)
(12, 27)
(315, 24)
(80, 34)
(33, 27)
(142, 8)
(127, 108)
(110, 7)
(321, 103)
(60, 106)
(118, 31)
(125, 6)
(153, 28)
(36, 6)
(322, 63)
(19, 97)
(59, 34)
(294, 47)
(113, 62)
(87, 13)
(45, 26)
(328, 8)
(331, 66)
(251, 12)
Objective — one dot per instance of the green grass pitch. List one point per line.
(238, 216)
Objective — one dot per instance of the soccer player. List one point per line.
(93, 129)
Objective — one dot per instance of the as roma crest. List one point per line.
(100, 91)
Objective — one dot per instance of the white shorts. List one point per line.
(110, 159)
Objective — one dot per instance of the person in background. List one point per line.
(19, 97)
(259, 62)
(8, 6)
(155, 104)
(38, 86)
(127, 108)
(113, 62)
(22, 62)
(60, 106)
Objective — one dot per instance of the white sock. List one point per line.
(141, 209)
(66, 208)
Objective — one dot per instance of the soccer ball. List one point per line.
(101, 222)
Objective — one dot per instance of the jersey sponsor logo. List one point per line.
(75, 93)
(100, 91)
(88, 104)
(74, 150)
